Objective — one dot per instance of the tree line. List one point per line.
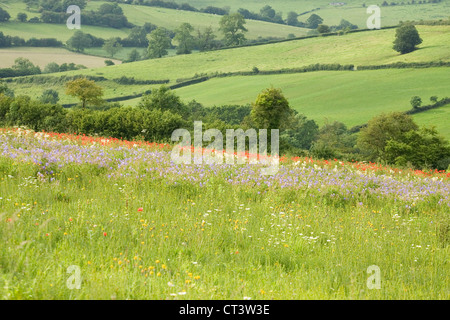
(392, 138)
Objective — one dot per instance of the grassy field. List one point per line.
(171, 19)
(57, 31)
(350, 97)
(353, 11)
(138, 15)
(438, 118)
(43, 56)
(137, 227)
(364, 48)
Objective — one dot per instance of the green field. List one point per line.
(171, 19)
(363, 48)
(350, 97)
(353, 11)
(57, 31)
(136, 227)
(437, 117)
(43, 56)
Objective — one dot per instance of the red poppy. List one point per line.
(105, 234)
(140, 209)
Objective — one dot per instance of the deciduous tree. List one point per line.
(85, 90)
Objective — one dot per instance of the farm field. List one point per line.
(350, 97)
(437, 117)
(171, 19)
(43, 56)
(352, 11)
(57, 31)
(138, 227)
(363, 48)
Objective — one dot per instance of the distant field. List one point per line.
(364, 48)
(438, 117)
(350, 97)
(171, 19)
(332, 15)
(57, 31)
(43, 56)
(121, 55)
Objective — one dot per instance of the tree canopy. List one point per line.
(232, 27)
(406, 38)
(85, 90)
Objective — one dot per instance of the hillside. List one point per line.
(352, 11)
(346, 96)
(43, 56)
(363, 48)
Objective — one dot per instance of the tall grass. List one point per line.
(140, 228)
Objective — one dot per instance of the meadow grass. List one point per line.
(347, 96)
(167, 235)
(364, 48)
(172, 19)
(57, 31)
(436, 117)
(43, 56)
(353, 11)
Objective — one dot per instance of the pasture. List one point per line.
(43, 56)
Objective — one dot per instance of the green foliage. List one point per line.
(334, 141)
(423, 149)
(158, 43)
(133, 56)
(292, 18)
(373, 139)
(314, 21)
(79, 41)
(322, 28)
(50, 96)
(232, 27)
(271, 110)
(112, 46)
(406, 38)
(85, 90)
(416, 102)
(163, 99)
(205, 39)
(184, 38)
(4, 15)
(22, 17)
(5, 90)
(301, 133)
(26, 112)
(23, 66)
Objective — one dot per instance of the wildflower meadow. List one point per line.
(101, 218)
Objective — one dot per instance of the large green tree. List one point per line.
(163, 99)
(271, 110)
(79, 41)
(158, 43)
(422, 149)
(406, 38)
(205, 39)
(314, 21)
(112, 46)
(232, 27)
(184, 38)
(4, 15)
(373, 139)
(85, 90)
